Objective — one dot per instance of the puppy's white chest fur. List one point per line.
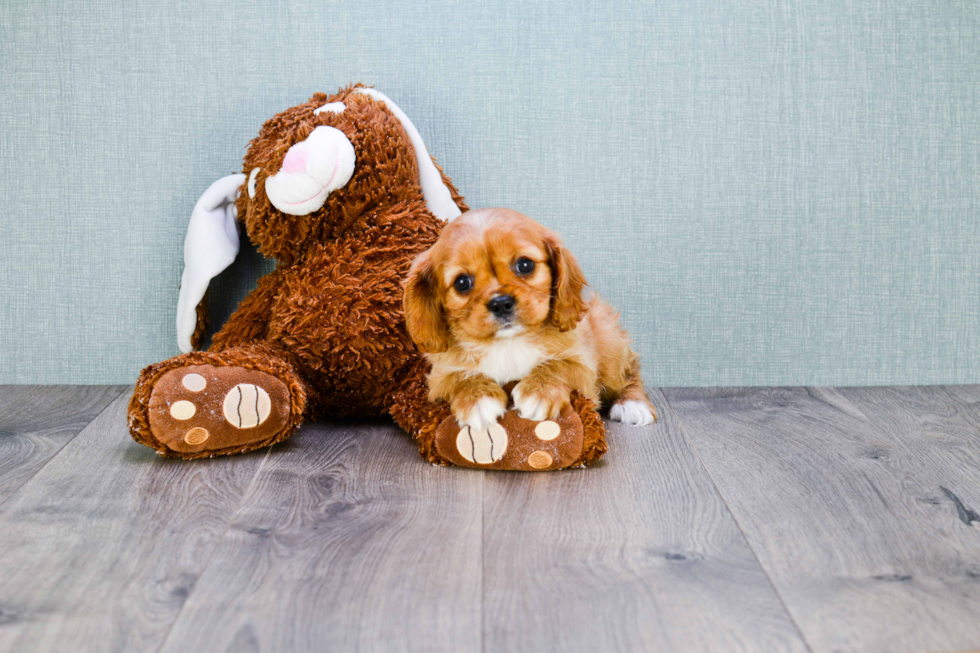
(508, 359)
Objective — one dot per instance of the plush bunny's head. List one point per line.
(314, 172)
(314, 169)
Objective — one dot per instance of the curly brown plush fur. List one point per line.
(328, 322)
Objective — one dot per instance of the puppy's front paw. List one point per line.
(634, 413)
(479, 412)
(537, 401)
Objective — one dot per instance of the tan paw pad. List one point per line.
(182, 410)
(547, 430)
(194, 382)
(246, 406)
(196, 436)
(484, 446)
(539, 459)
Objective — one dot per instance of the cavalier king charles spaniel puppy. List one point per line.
(499, 299)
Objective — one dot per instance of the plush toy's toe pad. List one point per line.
(482, 446)
(210, 407)
(513, 443)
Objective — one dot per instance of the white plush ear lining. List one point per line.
(210, 246)
(437, 195)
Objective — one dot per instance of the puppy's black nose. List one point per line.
(502, 306)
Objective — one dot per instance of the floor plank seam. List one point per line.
(47, 462)
(218, 540)
(738, 525)
(483, 566)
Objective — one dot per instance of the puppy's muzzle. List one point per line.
(502, 306)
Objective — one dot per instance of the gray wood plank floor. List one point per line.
(745, 520)
(636, 554)
(839, 492)
(101, 547)
(37, 421)
(346, 541)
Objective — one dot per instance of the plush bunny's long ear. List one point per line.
(437, 196)
(210, 246)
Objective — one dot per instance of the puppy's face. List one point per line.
(494, 279)
(494, 273)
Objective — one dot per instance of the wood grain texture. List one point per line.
(347, 541)
(840, 493)
(100, 549)
(637, 553)
(37, 421)
(862, 505)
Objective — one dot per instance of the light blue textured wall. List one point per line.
(772, 192)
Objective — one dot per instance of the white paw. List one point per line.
(634, 413)
(483, 414)
(530, 407)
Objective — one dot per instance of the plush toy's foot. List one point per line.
(199, 407)
(205, 407)
(576, 438)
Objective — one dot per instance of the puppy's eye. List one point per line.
(524, 266)
(463, 283)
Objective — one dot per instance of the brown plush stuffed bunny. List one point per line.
(342, 192)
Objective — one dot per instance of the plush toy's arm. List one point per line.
(203, 321)
(210, 246)
(250, 321)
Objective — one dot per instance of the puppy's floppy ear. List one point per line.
(423, 310)
(567, 281)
